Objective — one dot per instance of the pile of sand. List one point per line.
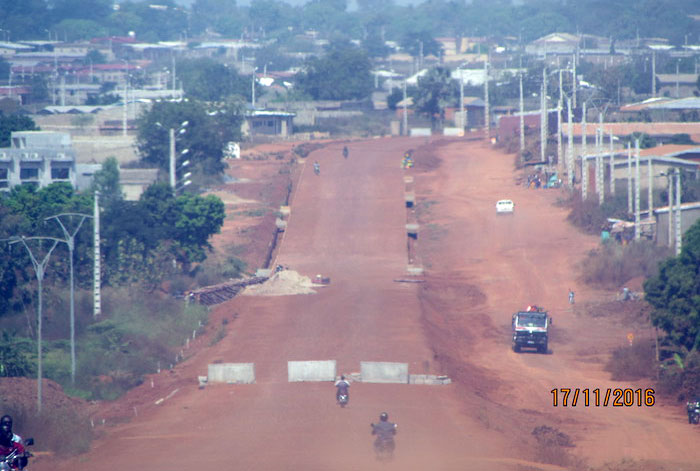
(283, 283)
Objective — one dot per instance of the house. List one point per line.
(677, 85)
(37, 158)
(134, 181)
(268, 122)
(554, 43)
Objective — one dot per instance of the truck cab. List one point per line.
(531, 329)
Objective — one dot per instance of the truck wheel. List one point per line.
(516, 348)
(542, 348)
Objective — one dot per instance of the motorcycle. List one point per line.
(343, 400)
(694, 413)
(384, 445)
(16, 460)
(317, 169)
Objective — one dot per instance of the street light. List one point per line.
(70, 241)
(40, 271)
(172, 158)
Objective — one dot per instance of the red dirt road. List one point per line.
(349, 224)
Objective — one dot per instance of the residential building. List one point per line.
(37, 158)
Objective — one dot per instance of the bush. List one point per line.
(137, 333)
(612, 265)
(680, 378)
(631, 363)
(62, 430)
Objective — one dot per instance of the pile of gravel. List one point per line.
(283, 283)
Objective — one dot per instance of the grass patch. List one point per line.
(136, 333)
(611, 265)
(253, 213)
(631, 363)
(553, 446)
(61, 430)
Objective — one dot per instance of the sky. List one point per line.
(301, 2)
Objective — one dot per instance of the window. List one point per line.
(60, 173)
(29, 173)
(4, 172)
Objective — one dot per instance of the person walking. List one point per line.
(571, 296)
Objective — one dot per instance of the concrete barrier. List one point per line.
(412, 229)
(263, 272)
(237, 373)
(420, 132)
(428, 379)
(414, 270)
(453, 132)
(311, 370)
(410, 199)
(384, 372)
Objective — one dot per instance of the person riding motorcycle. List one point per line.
(6, 427)
(693, 408)
(342, 386)
(346, 152)
(317, 168)
(385, 431)
(9, 447)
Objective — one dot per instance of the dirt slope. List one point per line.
(349, 224)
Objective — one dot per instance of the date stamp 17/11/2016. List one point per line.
(603, 397)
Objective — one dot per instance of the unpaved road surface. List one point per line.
(349, 224)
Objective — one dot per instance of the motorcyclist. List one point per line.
(385, 431)
(6, 427)
(693, 408)
(346, 152)
(342, 386)
(8, 446)
(317, 168)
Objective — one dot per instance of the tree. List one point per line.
(15, 356)
(435, 91)
(80, 29)
(674, 293)
(419, 42)
(208, 80)
(106, 181)
(221, 16)
(343, 73)
(15, 122)
(207, 132)
(198, 219)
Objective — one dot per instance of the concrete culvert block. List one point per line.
(428, 379)
(412, 229)
(285, 210)
(384, 372)
(408, 179)
(410, 199)
(232, 373)
(413, 270)
(323, 370)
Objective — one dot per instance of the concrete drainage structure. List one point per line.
(383, 372)
(232, 373)
(311, 370)
(323, 370)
